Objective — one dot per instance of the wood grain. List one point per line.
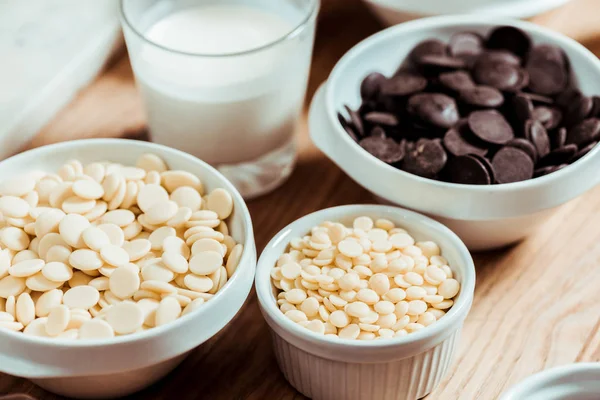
(535, 303)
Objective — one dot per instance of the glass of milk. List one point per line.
(224, 80)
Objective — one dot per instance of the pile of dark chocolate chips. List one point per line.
(477, 110)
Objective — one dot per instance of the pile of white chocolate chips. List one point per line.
(105, 249)
(367, 282)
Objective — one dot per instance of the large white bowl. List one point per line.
(484, 217)
(571, 382)
(392, 12)
(406, 368)
(122, 365)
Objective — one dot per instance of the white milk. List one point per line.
(227, 102)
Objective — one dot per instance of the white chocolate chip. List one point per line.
(175, 262)
(114, 255)
(161, 212)
(26, 268)
(83, 297)
(114, 232)
(58, 320)
(95, 329)
(25, 309)
(168, 310)
(206, 262)
(221, 202)
(125, 317)
(150, 195)
(186, 196)
(151, 162)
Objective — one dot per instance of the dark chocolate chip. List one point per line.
(349, 130)
(502, 76)
(466, 45)
(579, 109)
(522, 107)
(457, 145)
(550, 117)
(501, 56)
(427, 158)
(488, 166)
(509, 38)
(490, 126)
(548, 74)
(467, 170)
(441, 63)
(482, 96)
(457, 80)
(427, 47)
(512, 165)
(583, 151)
(559, 138)
(584, 133)
(356, 122)
(371, 85)
(526, 146)
(522, 81)
(596, 107)
(559, 167)
(537, 98)
(558, 156)
(543, 171)
(378, 131)
(434, 108)
(403, 84)
(566, 97)
(385, 149)
(381, 118)
(538, 136)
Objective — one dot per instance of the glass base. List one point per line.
(263, 175)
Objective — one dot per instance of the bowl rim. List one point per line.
(458, 310)
(515, 9)
(177, 324)
(550, 377)
(452, 21)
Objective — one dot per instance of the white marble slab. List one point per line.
(49, 49)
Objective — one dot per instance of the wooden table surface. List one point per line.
(536, 304)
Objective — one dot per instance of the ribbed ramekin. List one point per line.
(327, 368)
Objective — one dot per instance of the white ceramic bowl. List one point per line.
(122, 365)
(392, 12)
(407, 368)
(484, 217)
(571, 382)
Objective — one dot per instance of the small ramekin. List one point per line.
(122, 365)
(407, 368)
(392, 12)
(484, 217)
(570, 382)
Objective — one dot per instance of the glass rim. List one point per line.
(314, 7)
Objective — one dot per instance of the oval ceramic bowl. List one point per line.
(404, 368)
(484, 217)
(122, 365)
(392, 12)
(570, 382)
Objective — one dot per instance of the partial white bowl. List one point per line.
(119, 366)
(392, 12)
(571, 382)
(407, 368)
(485, 217)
